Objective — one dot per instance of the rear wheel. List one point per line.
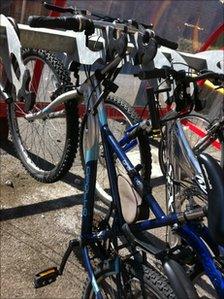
(46, 147)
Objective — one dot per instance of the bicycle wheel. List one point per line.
(120, 115)
(149, 281)
(195, 127)
(46, 147)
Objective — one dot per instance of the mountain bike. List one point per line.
(15, 88)
(127, 216)
(129, 275)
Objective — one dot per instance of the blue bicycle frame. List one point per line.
(197, 239)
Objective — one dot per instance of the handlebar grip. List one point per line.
(77, 24)
(166, 43)
(51, 22)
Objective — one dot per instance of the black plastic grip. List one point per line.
(78, 23)
(166, 43)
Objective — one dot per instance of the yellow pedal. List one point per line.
(45, 277)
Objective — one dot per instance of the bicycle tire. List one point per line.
(154, 283)
(46, 160)
(200, 122)
(121, 107)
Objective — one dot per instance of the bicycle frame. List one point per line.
(111, 146)
(98, 122)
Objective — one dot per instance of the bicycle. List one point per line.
(94, 105)
(125, 223)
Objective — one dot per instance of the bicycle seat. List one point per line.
(214, 176)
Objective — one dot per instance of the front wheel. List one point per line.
(45, 147)
(133, 283)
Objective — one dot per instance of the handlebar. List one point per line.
(81, 22)
(181, 95)
(207, 75)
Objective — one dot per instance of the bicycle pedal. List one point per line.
(45, 277)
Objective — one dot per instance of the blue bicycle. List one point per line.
(121, 240)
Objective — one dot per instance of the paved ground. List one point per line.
(38, 221)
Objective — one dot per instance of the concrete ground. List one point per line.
(37, 222)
